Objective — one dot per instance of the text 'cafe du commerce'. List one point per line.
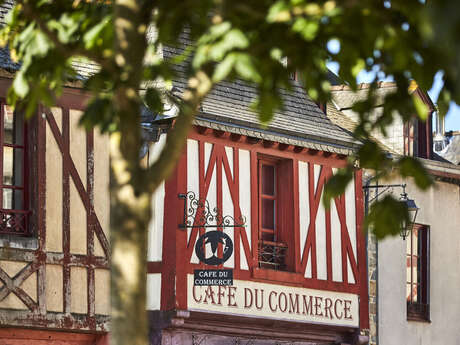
(252, 298)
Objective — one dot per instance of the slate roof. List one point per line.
(5, 60)
(5, 7)
(301, 119)
(452, 152)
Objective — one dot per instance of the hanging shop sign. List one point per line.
(254, 299)
(214, 247)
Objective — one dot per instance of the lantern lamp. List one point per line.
(406, 227)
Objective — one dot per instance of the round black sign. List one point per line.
(213, 238)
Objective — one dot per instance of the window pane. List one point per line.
(13, 199)
(408, 269)
(7, 198)
(12, 166)
(408, 245)
(8, 121)
(268, 214)
(415, 241)
(18, 199)
(8, 165)
(268, 179)
(13, 127)
(414, 293)
(408, 292)
(419, 270)
(18, 167)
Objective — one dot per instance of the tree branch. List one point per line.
(199, 86)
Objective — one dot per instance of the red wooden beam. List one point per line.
(252, 140)
(299, 149)
(203, 130)
(237, 137)
(268, 143)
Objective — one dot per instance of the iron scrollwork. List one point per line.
(198, 214)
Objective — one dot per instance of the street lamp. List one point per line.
(407, 226)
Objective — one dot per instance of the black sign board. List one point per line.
(214, 238)
(213, 277)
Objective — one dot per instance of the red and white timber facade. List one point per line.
(320, 296)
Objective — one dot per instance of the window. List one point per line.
(275, 213)
(409, 134)
(13, 170)
(417, 283)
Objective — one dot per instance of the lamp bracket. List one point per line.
(385, 188)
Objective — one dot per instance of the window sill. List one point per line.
(418, 312)
(18, 242)
(277, 276)
(416, 318)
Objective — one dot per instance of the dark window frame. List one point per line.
(15, 220)
(276, 245)
(418, 260)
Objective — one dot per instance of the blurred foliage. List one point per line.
(248, 39)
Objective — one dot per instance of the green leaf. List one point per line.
(234, 39)
(336, 185)
(246, 68)
(307, 28)
(153, 100)
(39, 45)
(421, 107)
(385, 217)
(279, 12)
(371, 156)
(90, 38)
(215, 32)
(268, 101)
(224, 68)
(358, 67)
(100, 112)
(412, 167)
(201, 56)
(20, 84)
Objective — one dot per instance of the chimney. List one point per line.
(440, 141)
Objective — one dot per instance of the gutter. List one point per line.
(446, 172)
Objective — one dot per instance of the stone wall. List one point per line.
(373, 278)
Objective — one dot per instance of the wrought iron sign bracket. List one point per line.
(198, 214)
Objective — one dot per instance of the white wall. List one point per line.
(440, 209)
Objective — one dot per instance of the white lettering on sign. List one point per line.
(275, 301)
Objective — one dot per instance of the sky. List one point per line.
(453, 115)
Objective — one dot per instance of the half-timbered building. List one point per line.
(245, 203)
(54, 215)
